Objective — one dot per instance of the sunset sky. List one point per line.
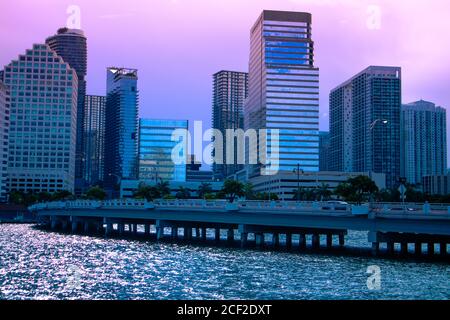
(178, 44)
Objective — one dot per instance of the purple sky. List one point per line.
(178, 44)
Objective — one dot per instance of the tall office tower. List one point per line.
(284, 88)
(324, 151)
(121, 125)
(43, 104)
(424, 141)
(155, 150)
(4, 131)
(230, 92)
(94, 138)
(71, 45)
(365, 123)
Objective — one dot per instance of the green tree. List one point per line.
(96, 193)
(233, 189)
(324, 193)
(163, 188)
(44, 197)
(248, 191)
(61, 195)
(144, 191)
(183, 193)
(204, 189)
(16, 197)
(357, 189)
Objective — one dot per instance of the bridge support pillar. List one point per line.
(316, 241)
(74, 226)
(418, 248)
(187, 233)
(65, 224)
(259, 239)
(404, 248)
(341, 240)
(230, 235)
(121, 228)
(302, 241)
(442, 248)
(53, 222)
(275, 240)
(244, 238)
(109, 227)
(159, 233)
(375, 248)
(217, 234)
(329, 240)
(288, 240)
(135, 229)
(174, 233)
(430, 248)
(86, 227)
(197, 233)
(204, 234)
(147, 229)
(390, 247)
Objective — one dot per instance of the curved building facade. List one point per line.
(71, 45)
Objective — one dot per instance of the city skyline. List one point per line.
(158, 68)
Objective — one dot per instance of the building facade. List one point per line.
(436, 184)
(94, 139)
(121, 126)
(365, 123)
(71, 45)
(43, 92)
(155, 150)
(230, 89)
(424, 141)
(4, 132)
(285, 184)
(284, 88)
(324, 151)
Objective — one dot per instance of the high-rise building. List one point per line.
(43, 104)
(155, 150)
(229, 93)
(365, 123)
(324, 151)
(424, 141)
(4, 131)
(94, 138)
(71, 45)
(284, 88)
(121, 126)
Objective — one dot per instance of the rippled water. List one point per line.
(36, 264)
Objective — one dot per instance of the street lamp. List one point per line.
(372, 127)
(298, 171)
(383, 121)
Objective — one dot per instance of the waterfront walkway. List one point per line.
(408, 225)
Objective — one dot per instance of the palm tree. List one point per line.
(324, 192)
(233, 189)
(183, 193)
(163, 188)
(204, 189)
(248, 191)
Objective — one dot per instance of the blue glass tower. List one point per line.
(284, 88)
(121, 129)
(155, 150)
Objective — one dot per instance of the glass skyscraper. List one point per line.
(284, 88)
(424, 141)
(94, 138)
(43, 91)
(71, 45)
(229, 93)
(4, 130)
(155, 150)
(324, 150)
(121, 125)
(365, 123)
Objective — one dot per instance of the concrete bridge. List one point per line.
(406, 224)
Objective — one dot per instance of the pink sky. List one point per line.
(178, 44)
